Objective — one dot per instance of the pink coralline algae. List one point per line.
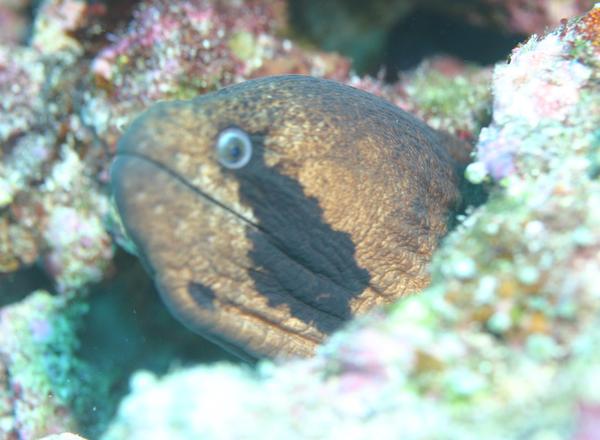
(78, 240)
(27, 148)
(43, 156)
(56, 21)
(21, 81)
(588, 424)
(541, 87)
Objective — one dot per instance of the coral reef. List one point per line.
(53, 203)
(45, 386)
(510, 321)
(449, 95)
(37, 360)
(560, 96)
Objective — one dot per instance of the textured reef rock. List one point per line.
(45, 388)
(504, 342)
(509, 322)
(37, 345)
(47, 183)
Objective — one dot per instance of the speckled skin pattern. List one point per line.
(339, 209)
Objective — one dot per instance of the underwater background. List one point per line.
(503, 344)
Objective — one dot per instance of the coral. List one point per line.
(36, 364)
(45, 388)
(21, 81)
(450, 95)
(544, 85)
(44, 157)
(55, 24)
(77, 242)
(589, 28)
(446, 93)
(55, 210)
(509, 323)
(25, 148)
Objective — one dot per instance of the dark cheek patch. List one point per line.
(204, 296)
(297, 254)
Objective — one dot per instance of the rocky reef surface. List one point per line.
(501, 345)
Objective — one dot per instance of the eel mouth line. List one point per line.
(191, 187)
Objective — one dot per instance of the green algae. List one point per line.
(460, 102)
(48, 389)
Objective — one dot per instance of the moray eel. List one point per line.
(272, 211)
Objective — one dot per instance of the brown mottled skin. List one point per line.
(339, 209)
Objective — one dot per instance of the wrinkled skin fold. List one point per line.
(339, 209)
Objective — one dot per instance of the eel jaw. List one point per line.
(199, 253)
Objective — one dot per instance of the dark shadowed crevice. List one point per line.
(396, 35)
(15, 286)
(424, 34)
(128, 328)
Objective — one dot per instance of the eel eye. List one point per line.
(234, 148)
